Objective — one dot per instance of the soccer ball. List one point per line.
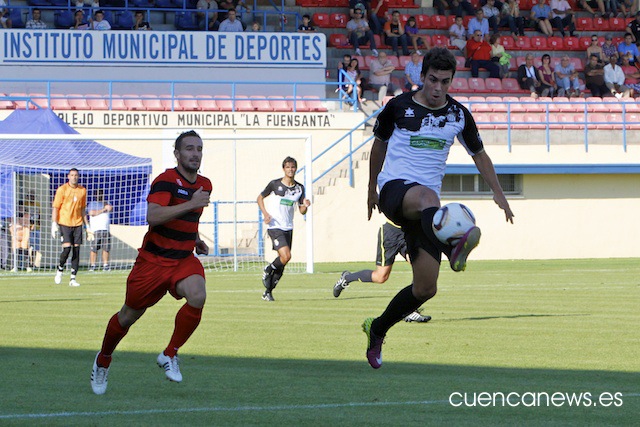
(451, 222)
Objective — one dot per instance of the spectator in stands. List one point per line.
(363, 5)
(353, 71)
(608, 48)
(499, 55)
(510, 17)
(528, 77)
(256, 27)
(360, 33)
(139, 23)
(306, 26)
(412, 72)
(540, 15)
(417, 39)
(238, 6)
(628, 47)
(617, 8)
(35, 23)
(595, 49)
(98, 23)
(479, 23)
(614, 78)
(563, 17)
(479, 52)
(633, 28)
(78, 21)
(631, 75)
(379, 15)
(394, 34)
(458, 6)
(546, 75)
(589, 5)
(346, 60)
(567, 78)
(210, 17)
(231, 24)
(380, 70)
(492, 14)
(5, 17)
(458, 35)
(594, 77)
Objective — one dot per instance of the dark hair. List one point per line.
(593, 55)
(34, 10)
(289, 159)
(439, 58)
(74, 170)
(395, 11)
(306, 16)
(182, 136)
(547, 56)
(493, 38)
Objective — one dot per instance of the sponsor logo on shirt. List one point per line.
(423, 142)
(183, 191)
(286, 202)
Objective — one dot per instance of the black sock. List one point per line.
(362, 276)
(426, 221)
(402, 304)
(276, 270)
(75, 259)
(63, 257)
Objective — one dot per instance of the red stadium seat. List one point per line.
(459, 84)
(483, 120)
(394, 60)
(596, 105)
(321, 20)
(499, 120)
(584, 42)
(572, 43)
(577, 104)
(207, 103)
(96, 102)
(497, 104)
(513, 104)
(476, 84)
(362, 62)
(555, 43)
(531, 105)
(338, 40)
(404, 17)
(577, 63)
(6, 104)
(560, 103)
(221, 102)
(297, 104)
(133, 102)
(613, 104)
(632, 120)
(600, 24)
(243, 103)
(460, 61)
(152, 103)
(40, 99)
(314, 103)
(440, 40)
(423, 21)
(563, 121)
(59, 102)
(116, 103)
(526, 4)
(584, 24)
(630, 105)
(406, 4)
(323, 3)
(508, 43)
(539, 43)
(523, 43)
(188, 102)
(338, 20)
(404, 60)
(477, 104)
(617, 24)
(261, 103)
(510, 85)
(439, 22)
(279, 104)
(170, 103)
(494, 85)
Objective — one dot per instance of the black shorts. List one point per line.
(71, 235)
(102, 240)
(390, 202)
(280, 238)
(390, 243)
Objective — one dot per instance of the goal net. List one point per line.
(32, 167)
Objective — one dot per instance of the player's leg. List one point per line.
(106, 250)
(67, 243)
(93, 255)
(284, 256)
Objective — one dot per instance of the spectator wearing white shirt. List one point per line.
(99, 23)
(614, 79)
(458, 34)
(5, 19)
(231, 24)
(562, 16)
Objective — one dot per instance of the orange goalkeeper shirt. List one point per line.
(71, 204)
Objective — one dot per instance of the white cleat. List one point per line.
(99, 376)
(171, 367)
(73, 283)
(58, 279)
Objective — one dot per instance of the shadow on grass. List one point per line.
(52, 387)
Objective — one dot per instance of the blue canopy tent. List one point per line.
(123, 178)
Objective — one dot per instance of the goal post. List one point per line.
(239, 165)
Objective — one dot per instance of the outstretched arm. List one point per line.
(376, 160)
(485, 167)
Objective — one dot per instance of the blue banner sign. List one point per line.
(130, 48)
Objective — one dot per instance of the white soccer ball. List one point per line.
(451, 222)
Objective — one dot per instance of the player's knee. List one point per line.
(425, 291)
(285, 258)
(128, 316)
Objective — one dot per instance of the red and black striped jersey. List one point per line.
(168, 243)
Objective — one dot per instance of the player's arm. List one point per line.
(159, 214)
(201, 247)
(376, 160)
(487, 171)
(263, 209)
(304, 205)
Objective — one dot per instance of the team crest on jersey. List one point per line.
(179, 182)
(280, 188)
(409, 112)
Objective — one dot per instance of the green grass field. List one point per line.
(500, 327)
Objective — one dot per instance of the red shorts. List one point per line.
(148, 282)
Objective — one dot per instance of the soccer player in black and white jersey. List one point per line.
(413, 135)
(287, 193)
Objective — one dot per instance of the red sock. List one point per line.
(187, 321)
(112, 337)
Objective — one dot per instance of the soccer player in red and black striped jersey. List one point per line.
(166, 262)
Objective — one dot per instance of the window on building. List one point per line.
(474, 184)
